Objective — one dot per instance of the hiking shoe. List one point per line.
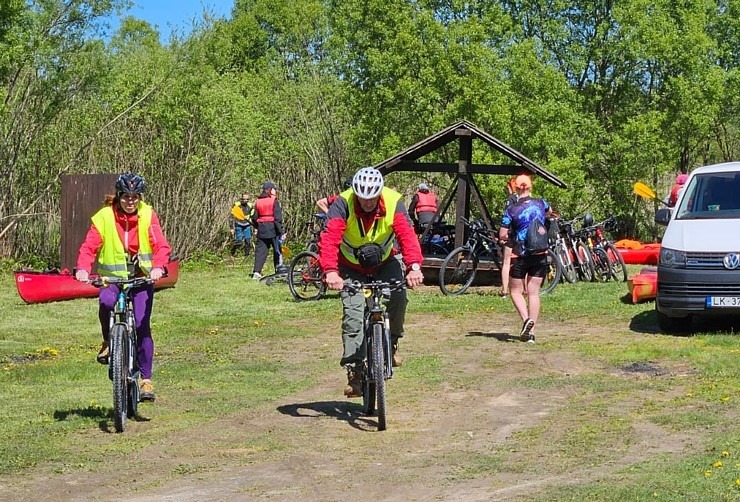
(146, 391)
(397, 359)
(354, 383)
(281, 269)
(103, 354)
(526, 328)
(256, 276)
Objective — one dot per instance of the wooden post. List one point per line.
(463, 192)
(82, 196)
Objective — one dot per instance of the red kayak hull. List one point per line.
(643, 286)
(647, 254)
(43, 287)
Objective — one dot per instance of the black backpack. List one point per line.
(537, 239)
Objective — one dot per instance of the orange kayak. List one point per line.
(643, 286)
(638, 253)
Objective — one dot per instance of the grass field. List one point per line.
(626, 413)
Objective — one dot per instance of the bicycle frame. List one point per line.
(378, 365)
(123, 368)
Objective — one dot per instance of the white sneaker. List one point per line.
(256, 276)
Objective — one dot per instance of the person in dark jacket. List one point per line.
(267, 218)
(423, 207)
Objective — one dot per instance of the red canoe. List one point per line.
(643, 286)
(637, 253)
(42, 287)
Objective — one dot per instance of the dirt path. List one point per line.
(316, 445)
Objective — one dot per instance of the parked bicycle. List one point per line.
(459, 267)
(618, 270)
(439, 240)
(305, 277)
(574, 255)
(377, 367)
(123, 367)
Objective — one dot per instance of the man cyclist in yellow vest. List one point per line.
(126, 239)
(357, 242)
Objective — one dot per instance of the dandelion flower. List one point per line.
(708, 473)
(718, 463)
(725, 453)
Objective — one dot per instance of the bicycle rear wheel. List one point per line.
(566, 260)
(119, 373)
(602, 265)
(619, 268)
(554, 273)
(378, 366)
(458, 271)
(305, 277)
(586, 259)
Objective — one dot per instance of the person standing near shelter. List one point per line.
(676, 190)
(525, 221)
(240, 225)
(267, 218)
(423, 207)
(357, 242)
(511, 199)
(126, 239)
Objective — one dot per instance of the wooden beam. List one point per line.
(441, 167)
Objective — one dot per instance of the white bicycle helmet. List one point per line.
(367, 183)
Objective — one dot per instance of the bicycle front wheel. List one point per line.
(602, 265)
(119, 373)
(458, 271)
(586, 262)
(378, 365)
(554, 273)
(566, 260)
(305, 277)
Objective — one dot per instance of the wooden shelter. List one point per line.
(463, 187)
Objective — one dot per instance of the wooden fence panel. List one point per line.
(82, 196)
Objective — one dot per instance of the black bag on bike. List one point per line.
(537, 239)
(369, 255)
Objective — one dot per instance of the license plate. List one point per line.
(722, 301)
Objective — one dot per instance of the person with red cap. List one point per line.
(527, 263)
(677, 187)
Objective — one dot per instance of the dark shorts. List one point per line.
(534, 266)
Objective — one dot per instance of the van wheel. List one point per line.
(673, 324)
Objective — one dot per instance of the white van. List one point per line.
(699, 266)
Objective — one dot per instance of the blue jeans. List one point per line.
(242, 238)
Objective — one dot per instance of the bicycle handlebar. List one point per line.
(358, 286)
(103, 282)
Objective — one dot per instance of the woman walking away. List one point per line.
(526, 221)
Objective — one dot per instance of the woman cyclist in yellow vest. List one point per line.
(126, 239)
(357, 242)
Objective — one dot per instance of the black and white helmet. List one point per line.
(367, 183)
(131, 184)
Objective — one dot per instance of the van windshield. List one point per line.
(710, 196)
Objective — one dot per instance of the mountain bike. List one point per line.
(439, 240)
(618, 267)
(458, 268)
(602, 264)
(377, 367)
(123, 367)
(575, 257)
(305, 277)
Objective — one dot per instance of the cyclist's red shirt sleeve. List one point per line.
(331, 236)
(406, 236)
(89, 249)
(160, 246)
